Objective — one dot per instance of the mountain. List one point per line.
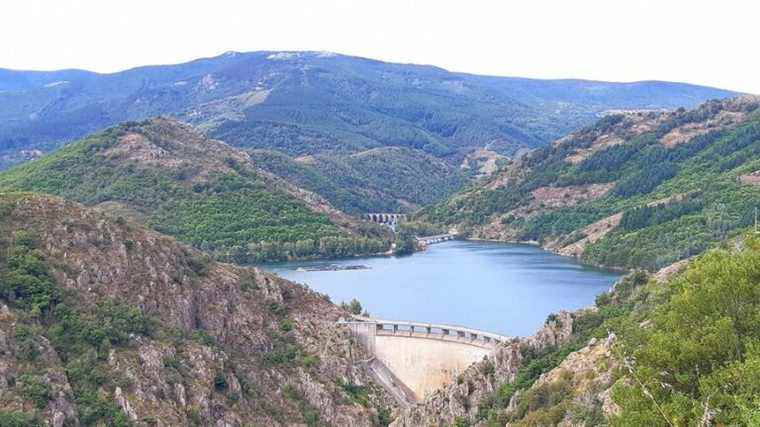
(386, 179)
(105, 322)
(635, 190)
(204, 192)
(311, 103)
(671, 349)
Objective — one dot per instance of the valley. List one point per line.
(361, 133)
(239, 240)
(500, 279)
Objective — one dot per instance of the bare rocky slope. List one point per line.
(105, 322)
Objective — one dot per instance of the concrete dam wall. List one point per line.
(425, 365)
(413, 359)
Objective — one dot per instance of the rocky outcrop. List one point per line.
(27, 361)
(586, 376)
(461, 399)
(230, 345)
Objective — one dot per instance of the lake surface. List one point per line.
(497, 287)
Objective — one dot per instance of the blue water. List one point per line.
(498, 287)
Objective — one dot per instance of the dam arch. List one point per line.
(413, 359)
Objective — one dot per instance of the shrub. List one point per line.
(27, 282)
(19, 419)
(286, 325)
(33, 388)
(220, 382)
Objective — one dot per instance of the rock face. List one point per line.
(460, 399)
(229, 345)
(587, 375)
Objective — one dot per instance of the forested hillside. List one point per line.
(673, 349)
(105, 322)
(317, 103)
(202, 191)
(389, 179)
(633, 190)
(311, 102)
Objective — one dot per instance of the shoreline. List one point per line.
(552, 250)
(390, 253)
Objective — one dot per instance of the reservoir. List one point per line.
(498, 287)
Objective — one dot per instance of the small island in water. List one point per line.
(333, 267)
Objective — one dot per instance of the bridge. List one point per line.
(412, 359)
(429, 240)
(389, 219)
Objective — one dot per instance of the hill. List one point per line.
(633, 190)
(105, 322)
(311, 103)
(386, 179)
(672, 349)
(202, 191)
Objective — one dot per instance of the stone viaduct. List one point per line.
(412, 359)
(389, 219)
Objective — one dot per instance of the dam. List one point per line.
(412, 359)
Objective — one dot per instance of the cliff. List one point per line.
(107, 322)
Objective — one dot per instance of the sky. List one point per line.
(706, 42)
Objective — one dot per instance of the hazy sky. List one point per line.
(713, 42)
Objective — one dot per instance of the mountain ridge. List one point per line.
(330, 105)
(200, 190)
(108, 322)
(138, 93)
(609, 193)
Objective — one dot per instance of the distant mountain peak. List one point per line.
(319, 102)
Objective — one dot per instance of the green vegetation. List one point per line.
(699, 356)
(687, 351)
(26, 281)
(34, 389)
(353, 307)
(377, 180)
(231, 211)
(80, 335)
(358, 394)
(676, 201)
(18, 419)
(549, 403)
(407, 232)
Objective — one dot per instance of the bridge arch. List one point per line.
(385, 218)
